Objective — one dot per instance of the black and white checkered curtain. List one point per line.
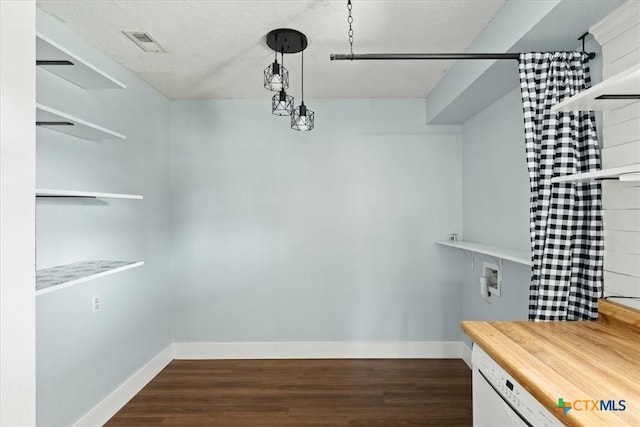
(565, 218)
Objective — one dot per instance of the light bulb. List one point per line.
(276, 82)
(303, 123)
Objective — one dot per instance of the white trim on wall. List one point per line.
(465, 354)
(111, 404)
(17, 213)
(319, 350)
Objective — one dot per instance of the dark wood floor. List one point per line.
(371, 392)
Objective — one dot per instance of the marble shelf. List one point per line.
(63, 276)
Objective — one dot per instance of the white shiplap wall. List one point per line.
(619, 36)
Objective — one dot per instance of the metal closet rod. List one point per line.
(427, 56)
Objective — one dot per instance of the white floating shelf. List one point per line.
(623, 173)
(62, 122)
(63, 276)
(513, 255)
(45, 192)
(625, 83)
(58, 60)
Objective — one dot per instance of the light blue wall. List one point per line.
(496, 185)
(82, 357)
(321, 236)
(496, 206)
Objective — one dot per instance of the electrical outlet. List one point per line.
(96, 304)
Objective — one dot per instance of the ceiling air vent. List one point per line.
(145, 41)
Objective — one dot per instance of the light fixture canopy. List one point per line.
(282, 104)
(286, 40)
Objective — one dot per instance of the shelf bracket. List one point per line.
(64, 197)
(54, 124)
(53, 62)
(472, 256)
(619, 97)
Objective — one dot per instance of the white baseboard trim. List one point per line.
(318, 350)
(111, 404)
(465, 354)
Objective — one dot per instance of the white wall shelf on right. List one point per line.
(622, 173)
(513, 255)
(63, 276)
(65, 123)
(626, 83)
(58, 60)
(46, 192)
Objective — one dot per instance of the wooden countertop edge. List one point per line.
(611, 311)
(522, 366)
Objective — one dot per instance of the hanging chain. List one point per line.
(350, 21)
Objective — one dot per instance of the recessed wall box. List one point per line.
(494, 277)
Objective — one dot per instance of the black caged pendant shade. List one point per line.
(276, 77)
(282, 104)
(302, 119)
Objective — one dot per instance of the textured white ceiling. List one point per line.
(217, 48)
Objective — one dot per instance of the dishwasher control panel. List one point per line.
(515, 395)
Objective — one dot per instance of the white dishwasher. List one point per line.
(499, 401)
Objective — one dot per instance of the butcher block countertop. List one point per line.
(576, 361)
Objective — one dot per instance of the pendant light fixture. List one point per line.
(302, 118)
(281, 103)
(276, 78)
